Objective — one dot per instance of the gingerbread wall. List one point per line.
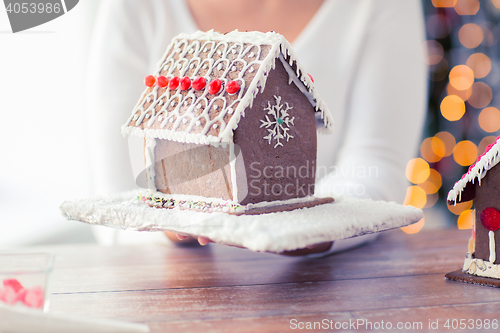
(264, 158)
(188, 168)
(487, 195)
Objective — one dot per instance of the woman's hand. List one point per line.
(182, 239)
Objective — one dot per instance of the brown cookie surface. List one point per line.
(458, 275)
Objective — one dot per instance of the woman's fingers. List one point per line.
(203, 241)
(179, 238)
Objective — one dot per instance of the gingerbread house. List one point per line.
(230, 116)
(482, 183)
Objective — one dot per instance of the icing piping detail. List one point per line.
(480, 267)
(491, 236)
(243, 57)
(477, 171)
(279, 124)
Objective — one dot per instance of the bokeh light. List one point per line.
(464, 72)
(461, 77)
(433, 182)
(438, 26)
(481, 95)
(438, 147)
(432, 52)
(480, 64)
(444, 3)
(489, 119)
(432, 149)
(465, 219)
(460, 207)
(415, 227)
(415, 196)
(448, 140)
(470, 35)
(452, 107)
(465, 153)
(481, 147)
(463, 94)
(417, 170)
(467, 7)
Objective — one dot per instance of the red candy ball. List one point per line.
(311, 77)
(162, 81)
(149, 80)
(490, 218)
(232, 87)
(214, 86)
(174, 82)
(199, 83)
(185, 83)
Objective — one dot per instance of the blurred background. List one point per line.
(44, 152)
(463, 117)
(42, 105)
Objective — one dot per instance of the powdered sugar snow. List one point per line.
(276, 232)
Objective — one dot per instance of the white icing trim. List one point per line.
(480, 267)
(197, 43)
(293, 78)
(493, 255)
(232, 165)
(150, 163)
(477, 171)
(275, 129)
(241, 177)
(173, 136)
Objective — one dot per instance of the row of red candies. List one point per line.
(185, 83)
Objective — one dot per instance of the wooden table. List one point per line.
(399, 278)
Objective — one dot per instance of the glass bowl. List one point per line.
(24, 279)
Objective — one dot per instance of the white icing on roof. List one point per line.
(478, 170)
(199, 117)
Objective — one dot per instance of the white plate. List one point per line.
(15, 319)
(276, 232)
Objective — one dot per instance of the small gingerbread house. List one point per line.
(482, 183)
(230, 116)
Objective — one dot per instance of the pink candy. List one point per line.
(34, 297)
(14, 292)
(9, 295)
(12, 283)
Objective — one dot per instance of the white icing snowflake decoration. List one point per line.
(279, 126)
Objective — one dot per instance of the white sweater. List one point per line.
(364, 56)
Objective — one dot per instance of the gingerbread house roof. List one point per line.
(476, 172)
(198, 116)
